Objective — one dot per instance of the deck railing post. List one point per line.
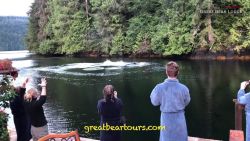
(238, 115)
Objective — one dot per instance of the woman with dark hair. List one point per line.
(109, 109)
(21, 119)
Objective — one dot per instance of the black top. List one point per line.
(16, 104)
(35, 111)
(110, 110)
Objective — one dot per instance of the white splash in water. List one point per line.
(14, 54)
(88, 67)
(94, 68)
(23, 64)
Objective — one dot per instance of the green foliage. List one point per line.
(107, 22)
(6, 90)
(140, 31)
(122, 27)
(38, 18)
(76, 41)
(4, 135)
(47, 47)
(118, 43)
(228, 30)
(240, 32)
(57, 27)
(6, 94)
(175, 34)
(12, 30)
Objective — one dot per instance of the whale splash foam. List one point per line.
(107, 68)
(20, 64)
(14, 54)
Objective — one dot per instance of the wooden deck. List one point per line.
(12, 133)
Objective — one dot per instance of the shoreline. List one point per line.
(196, 55)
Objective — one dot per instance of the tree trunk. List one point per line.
(86, 8)
(210, 30)
(209, 24)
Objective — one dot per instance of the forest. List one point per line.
(138, 27)
(12, 33)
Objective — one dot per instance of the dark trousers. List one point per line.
(23, 125)
(110, 135)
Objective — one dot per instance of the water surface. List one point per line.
(75, 85)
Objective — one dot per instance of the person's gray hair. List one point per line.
(31, 93)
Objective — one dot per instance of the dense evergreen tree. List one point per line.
(12, 33)
(122, 27)
(108, 20)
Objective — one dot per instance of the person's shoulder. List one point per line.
(100, 101)
(118, 100)
(42, 97)
(183, 86)
(247, 94)
(162, 84)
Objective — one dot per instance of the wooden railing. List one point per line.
(72, 136)
(237, 134)
(238, 114)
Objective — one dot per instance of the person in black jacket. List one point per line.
(21, 120)
(110, 109)
(33, 104)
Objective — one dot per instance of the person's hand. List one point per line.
(115, 94)
(25, 82)
(43, 82)
(243, 85)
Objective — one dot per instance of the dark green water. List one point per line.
(73, 94)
